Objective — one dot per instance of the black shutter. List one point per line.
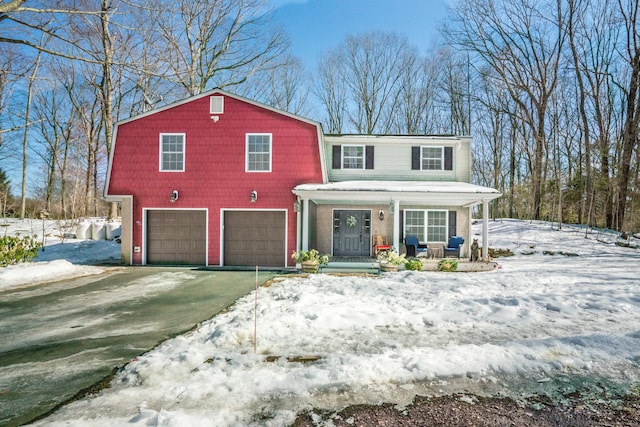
(415, 158)
(448, 158)
(369, 157)
(337, 157)
(452, 223)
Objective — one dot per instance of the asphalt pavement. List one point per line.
(63, 338)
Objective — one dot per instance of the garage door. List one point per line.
(254, 238)
(177, 237)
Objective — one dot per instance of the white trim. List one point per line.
(441, 147)
(286, 230)
(143, 244)
(224, 93)
(184, 151)
(110, 165)
(246, 152)
(425, 193)
(425, 213)
(364, 156)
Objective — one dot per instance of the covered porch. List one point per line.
(372, 208)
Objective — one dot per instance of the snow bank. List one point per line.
(540, 321)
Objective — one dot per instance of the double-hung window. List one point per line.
(258, 152)
(426, 225)
(430, 158)
(353, 156)
(172, 149)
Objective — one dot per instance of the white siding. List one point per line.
(392, 158)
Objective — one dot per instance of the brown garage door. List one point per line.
(254, 238)
(177, 237)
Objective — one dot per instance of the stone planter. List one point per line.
(309, 266)
(386, 267)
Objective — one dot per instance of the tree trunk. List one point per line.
(25, 139)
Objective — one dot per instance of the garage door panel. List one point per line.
(176, 237)
(255, 238)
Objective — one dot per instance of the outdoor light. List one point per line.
(254, 196)
(174, 196)
(381, 215)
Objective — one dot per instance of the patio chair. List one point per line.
(414, 247)
(453, 246)
(380, 244)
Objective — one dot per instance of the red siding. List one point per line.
(214, 175)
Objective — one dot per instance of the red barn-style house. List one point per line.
(220, 180)
(208, 181)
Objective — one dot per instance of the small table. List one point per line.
(436, 252)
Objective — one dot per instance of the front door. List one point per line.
(351, 233)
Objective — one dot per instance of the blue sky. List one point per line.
(318, 25)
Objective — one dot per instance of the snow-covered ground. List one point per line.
(541, 323)
(61, 257)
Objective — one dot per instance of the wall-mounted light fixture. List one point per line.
(381, 215)
(174, 196)
(254, 196)
(296, 206)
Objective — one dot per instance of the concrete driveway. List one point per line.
(61, 338)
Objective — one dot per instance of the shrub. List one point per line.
(391, 257)
(15, 249)
(413, 264)
(448, 265)
(310, 255)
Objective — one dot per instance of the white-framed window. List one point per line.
(258, 152)
(437, 226)
(216, 104)
(353, 157)
(172, 152)
(426, 225)
(432, 158)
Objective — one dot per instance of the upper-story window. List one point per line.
(172, 152)
(258, 152)
(429, 158)
(353, 157)
(432, 158)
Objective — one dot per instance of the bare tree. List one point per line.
(215, 43)
(284, 87)
(374, 64)
(629, 139)
(417, 97)
(521, 42)
(331, 90)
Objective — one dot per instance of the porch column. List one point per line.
(396, 226)
(305, 224)
(485, 230)
(298, 208)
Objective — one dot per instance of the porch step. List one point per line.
(351, 266)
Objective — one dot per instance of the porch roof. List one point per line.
(432, 193)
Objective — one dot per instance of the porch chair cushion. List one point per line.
(453, 246)
(414, 248)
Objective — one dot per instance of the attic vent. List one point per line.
(216, 105)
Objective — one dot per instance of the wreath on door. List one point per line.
(351, 221)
